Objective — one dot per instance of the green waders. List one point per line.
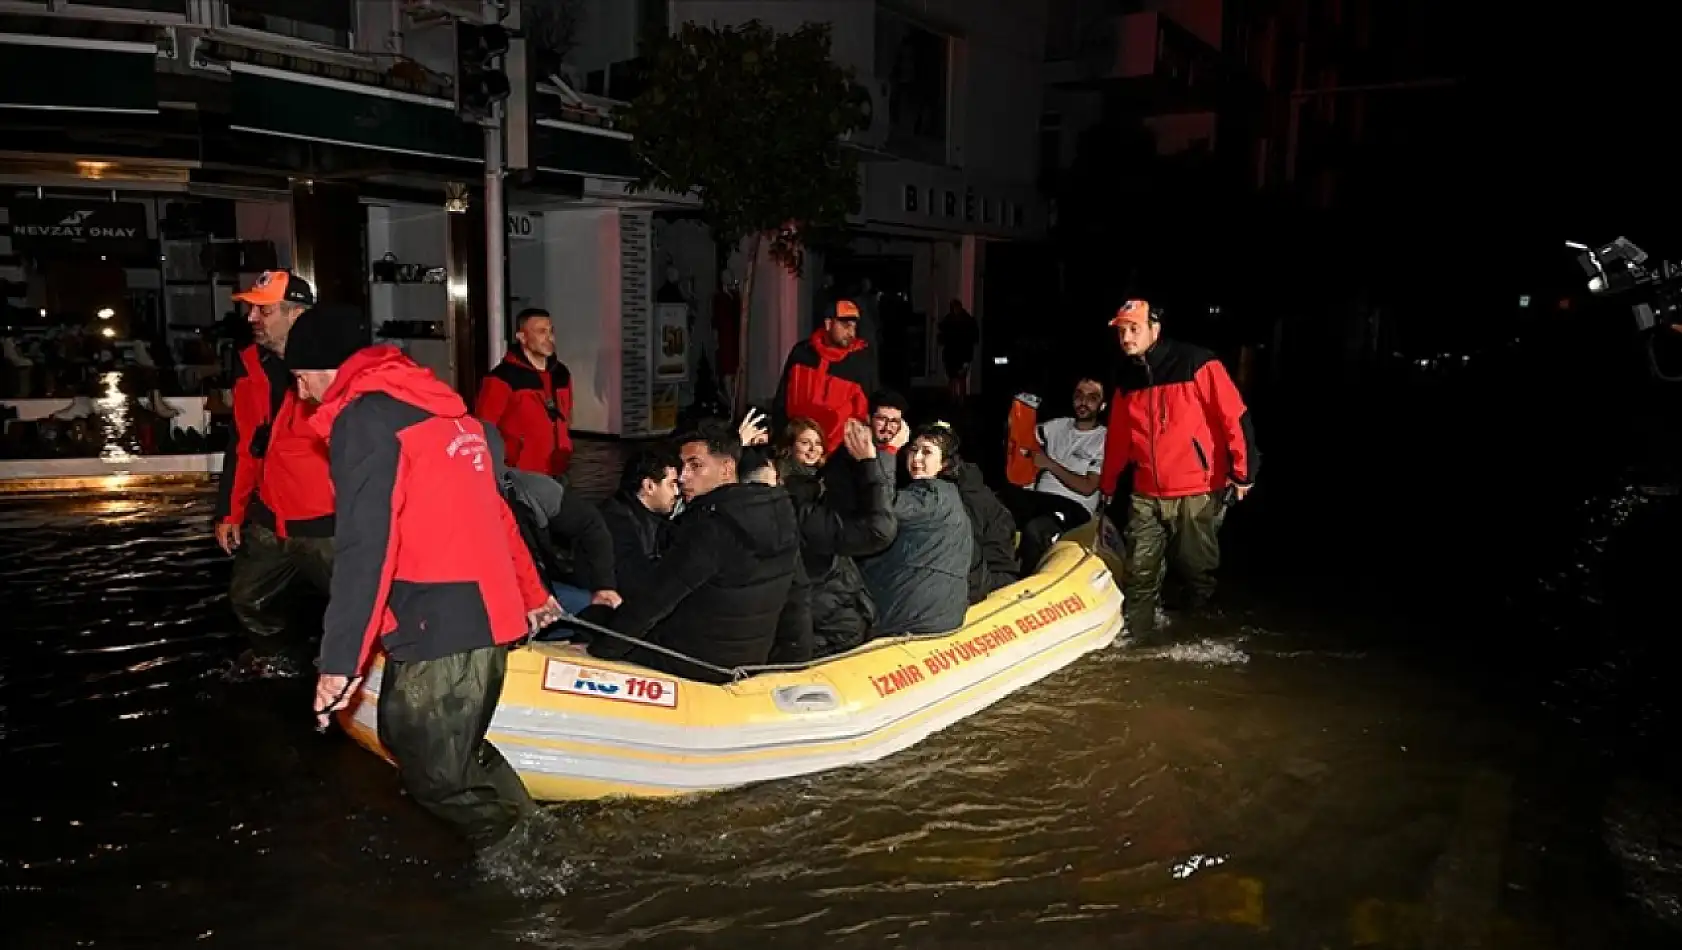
(433, 717)
(264, 566)
(1162, 532)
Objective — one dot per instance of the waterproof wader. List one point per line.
(264, 566)
(433, 717)
(1163, 532)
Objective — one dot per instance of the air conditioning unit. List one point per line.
(874, 135)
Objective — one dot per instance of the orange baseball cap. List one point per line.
(846, 310)
(274, 286)
(1131, 308)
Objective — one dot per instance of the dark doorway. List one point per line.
(881, 285)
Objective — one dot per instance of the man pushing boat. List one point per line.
(429, 564)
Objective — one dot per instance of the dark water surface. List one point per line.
(1336, 763)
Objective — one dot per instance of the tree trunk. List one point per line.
(739, 399)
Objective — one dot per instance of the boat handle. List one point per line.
(806, 698)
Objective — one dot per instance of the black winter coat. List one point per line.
(640, 537)
(730, 590)
(993, 563)
(830, 537)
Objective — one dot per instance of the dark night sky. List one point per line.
(1581, 131)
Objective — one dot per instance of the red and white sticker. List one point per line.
(560, 676)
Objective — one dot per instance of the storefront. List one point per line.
(919, 246)
(625, 282)
(164, 167)
(119, 328)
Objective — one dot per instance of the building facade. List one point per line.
(948, 166)
(1278, 133)
(156, 155)
(213, 139)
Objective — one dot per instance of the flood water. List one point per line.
(1338, 762)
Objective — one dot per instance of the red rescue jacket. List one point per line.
(429, 561)
(1179, 420)
(826, 384)
(274, 472)
(532, 410)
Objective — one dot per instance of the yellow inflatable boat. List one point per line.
(576, 727)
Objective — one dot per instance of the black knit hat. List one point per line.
(324, 337)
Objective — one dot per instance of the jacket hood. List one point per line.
(384, 369)
(542, 495)
(831, 352)
(764, 515)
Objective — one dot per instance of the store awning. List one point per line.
(269, 101)
(73, 74)
(569, 148)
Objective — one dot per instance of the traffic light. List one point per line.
(480, 79)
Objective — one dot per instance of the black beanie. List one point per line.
(324, 337)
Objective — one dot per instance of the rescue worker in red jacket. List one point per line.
(1179, 422)
(431, 568)
(827, 378)
(528, 397)
(274, 511)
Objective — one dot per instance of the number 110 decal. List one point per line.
(560, 676)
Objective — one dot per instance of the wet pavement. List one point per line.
(1345, 759)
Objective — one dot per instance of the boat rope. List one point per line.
(738, 673)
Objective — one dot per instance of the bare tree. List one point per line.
(552, 27)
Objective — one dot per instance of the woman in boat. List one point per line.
(800, 452)
(921, 582)
(842, 611)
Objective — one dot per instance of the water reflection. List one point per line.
(113, 411)
(1246, 789)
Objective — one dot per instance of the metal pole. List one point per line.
(496, 295)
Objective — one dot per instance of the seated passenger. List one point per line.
(800, 453)
(993, 562)
(888, 427)
(842, 611)
(1070, 462)
(887, 418)
(567, 539)
(722, 586)
(639, 518)
(794, 626)
(921, 582)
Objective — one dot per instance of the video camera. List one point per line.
(1620, 267)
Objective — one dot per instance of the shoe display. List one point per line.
(161, 407)
(142, 355)
(80, 408)
(217, 402)
(14, 356)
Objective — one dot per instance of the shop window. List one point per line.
(915, 63)
(118, 331)
(409, 295)
(328, 22)
(177, 7)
